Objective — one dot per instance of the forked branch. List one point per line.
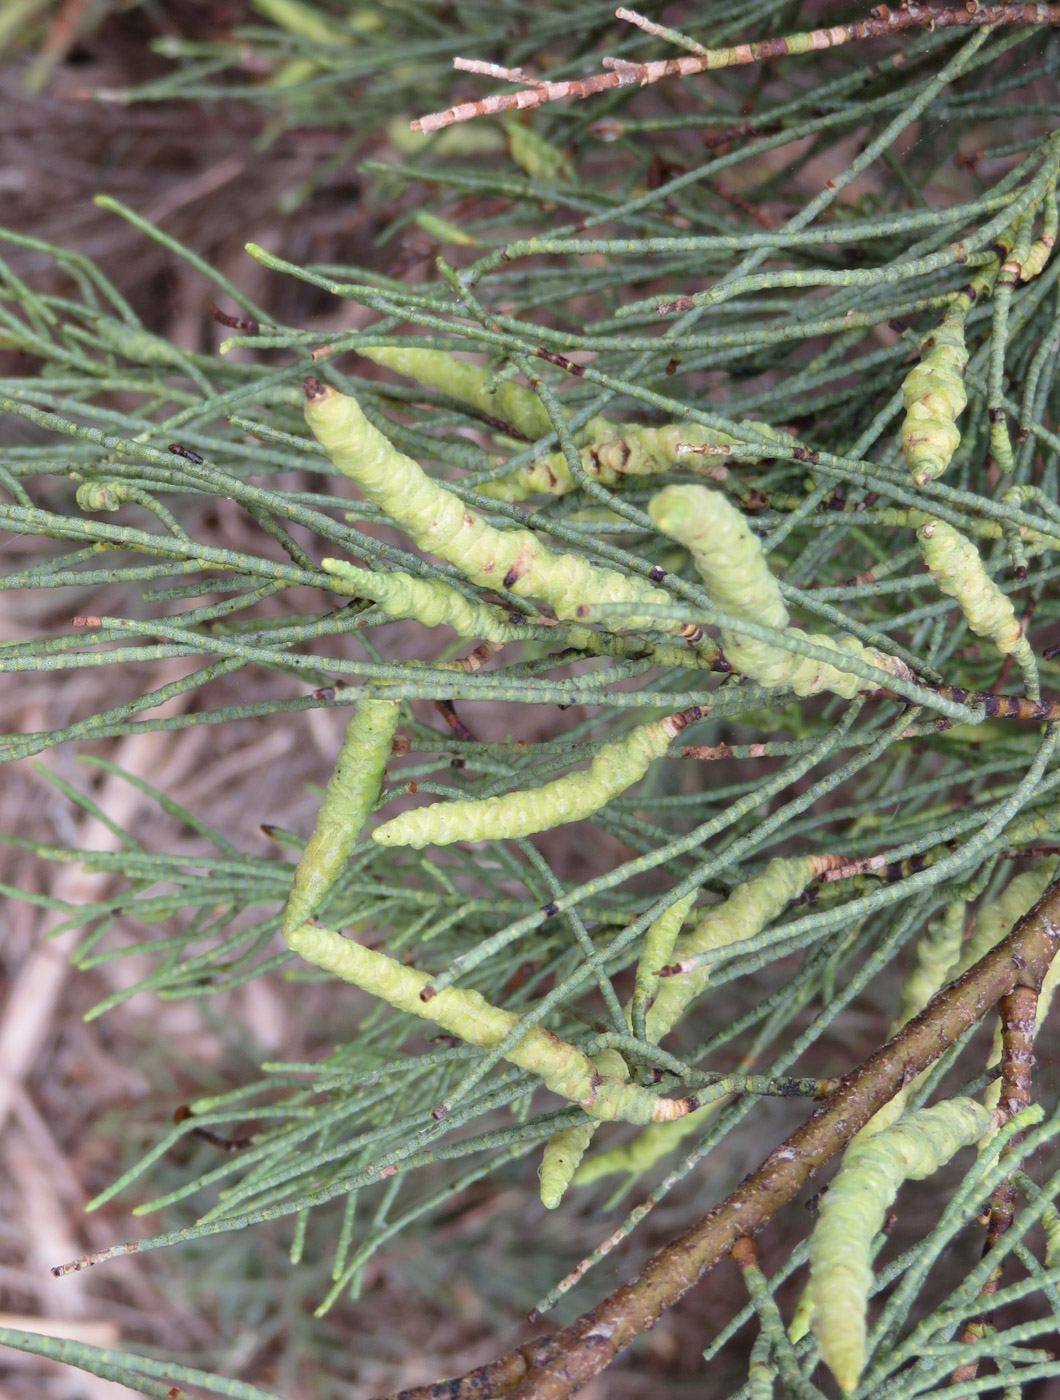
(621, 74)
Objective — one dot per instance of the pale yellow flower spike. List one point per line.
(432, 602)
(935, 963)
(564, 1150)
(731, 564)
(561, 1067)
(957, 568)
(651, 1145)
(467, 383)
(620, 450)
(616, 767)
(749, 909)
(351, 794)
(440, 523)
(935, 397)
(853, 1210)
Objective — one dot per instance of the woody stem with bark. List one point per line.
(1018, 1012)
(1017, 965)
(621, 73)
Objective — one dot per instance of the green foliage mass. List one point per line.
(702, 265)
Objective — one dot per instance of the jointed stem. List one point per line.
(623, 74)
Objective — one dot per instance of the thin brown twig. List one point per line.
(447, 710)
(882, 21)
(584, 1349)
(1018, 1011)
(993, 706)
(485, 1381)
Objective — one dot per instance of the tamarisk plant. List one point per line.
(513, 456)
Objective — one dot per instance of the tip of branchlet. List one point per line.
(314, 389)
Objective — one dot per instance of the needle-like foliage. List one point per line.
(797, 738)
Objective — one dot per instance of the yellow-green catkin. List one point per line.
(440, 523)
(539, 158)
(467, 141)
(730, 561)
(1007, 280)
(433, 602)
(935, 398)
(304, 21)
(934, 390)
(351, 794)
(562, 1068)
(565, 1149)
(621, 450)
(443, 231)
(853, 1210)
(656, 952)
(935, 961)
(1051, 1228)
(467, 383)
(103, 495)
(1041, 249)
(616, 767)
(611, 452)
(725, 550)
(650, 1146)
(749, 909)
(134, 342)
(957, 568)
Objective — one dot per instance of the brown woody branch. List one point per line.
(1018, 1011)
(1014, 970)
(620, 74)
